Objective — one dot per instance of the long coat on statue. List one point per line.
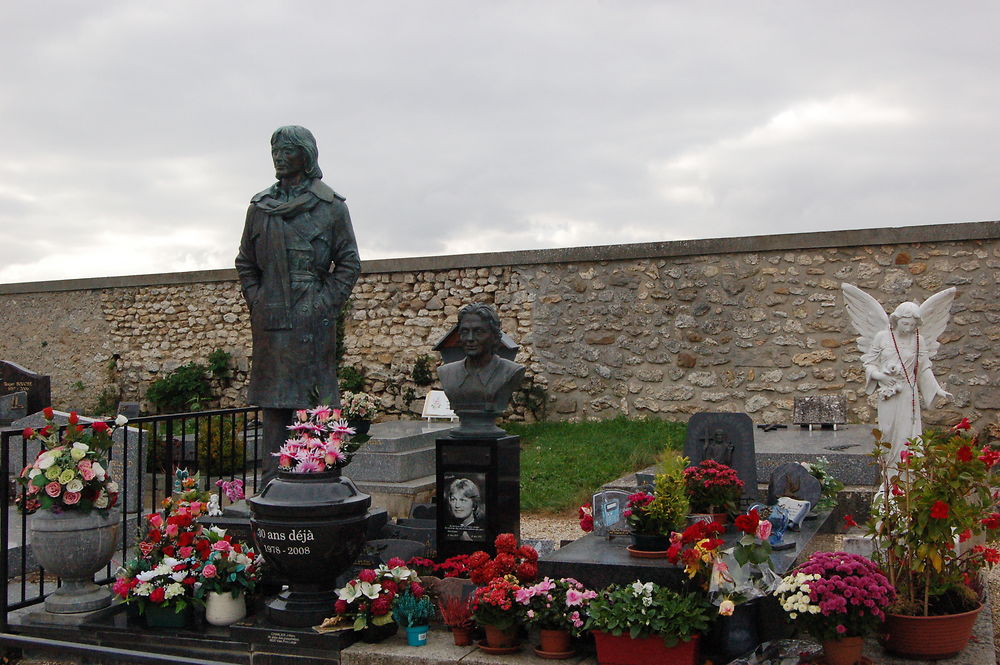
(297, 264)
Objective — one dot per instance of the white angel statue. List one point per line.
(896, 352)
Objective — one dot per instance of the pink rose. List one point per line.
(53, 489)
(84, 463)
(222, 546)
(155, 520)
(764, 529)
(71, 497)
(185, 552)
(209, 571)
(32, 489)
(172, 530)
(87, 473)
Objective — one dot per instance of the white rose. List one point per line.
(46, 460)
(102, 500)
(75, 485)
(112, 486)
(33, 473)
(120, 420)
(99, 471)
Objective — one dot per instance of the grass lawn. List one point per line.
(563, 464)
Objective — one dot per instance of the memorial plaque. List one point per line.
(794, 481)
(820, 410)
(13, 407)
(609, 512)
(436, 406)
(14, 378)
(727, 438)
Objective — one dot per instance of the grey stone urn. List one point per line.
(74, 545)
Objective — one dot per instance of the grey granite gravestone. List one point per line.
(127, 464)
(14, 378)
(726, 438)
(793, 480)
(819, 410)
(12, 407)
(129, 409)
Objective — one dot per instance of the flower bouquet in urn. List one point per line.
(320, 441)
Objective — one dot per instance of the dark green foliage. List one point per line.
(423, 371)
(218, 363)
(562, 463)
(351, 379)
(184, 389)
(342, 330)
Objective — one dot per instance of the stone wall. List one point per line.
(661, 329)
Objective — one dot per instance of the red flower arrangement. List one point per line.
(368, 598)
(941, 487)
(495, 604)
(712, 487)
(522, 562)
(696, 548)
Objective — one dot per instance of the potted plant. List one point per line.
(713, 490)
(161, 579)
(456, 612)
(496, 610)
(228, 573)
(838, 598)
(359, 408)
(937, 492)
(829, 485)
(71, 497)
(652, 516)
(641, 623)
(414, 613)
(366, 601)
(559, 609)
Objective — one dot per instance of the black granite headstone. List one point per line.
(479, 493)
(129, 409)
(13, 407)
(726, 438)
(793, 480)
(14, 378)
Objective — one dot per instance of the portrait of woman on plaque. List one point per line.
(465, 508)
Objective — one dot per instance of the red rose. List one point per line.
(28, 433)
(748, 523)
(48, 413)
(73, 418)
(939, 510)
(157, 595)
(340, 606)
(100, 427)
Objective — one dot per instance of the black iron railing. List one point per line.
(222, 444)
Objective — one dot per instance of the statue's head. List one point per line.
(906, 317)
(479, 329)
(299, 137)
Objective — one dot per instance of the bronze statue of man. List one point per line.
(480, 385)
(297, 264)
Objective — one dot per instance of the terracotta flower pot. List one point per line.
(929, 638)
(499, 639)
(845, 651)
(623, 650)
(462, 636)
(555, 641)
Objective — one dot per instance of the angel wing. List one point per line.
(866, 315)
(934, 315)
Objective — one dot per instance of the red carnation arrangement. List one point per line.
(522, 562)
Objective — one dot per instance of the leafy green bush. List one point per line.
(423, 372)
(218, 363)
(219, 448)
(184, 389)
(352, 379)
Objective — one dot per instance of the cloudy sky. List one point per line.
(134, 133)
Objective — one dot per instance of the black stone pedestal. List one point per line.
(487, 472)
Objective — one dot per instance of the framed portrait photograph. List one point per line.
(465, 505)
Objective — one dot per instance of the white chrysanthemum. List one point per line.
(173, 590)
